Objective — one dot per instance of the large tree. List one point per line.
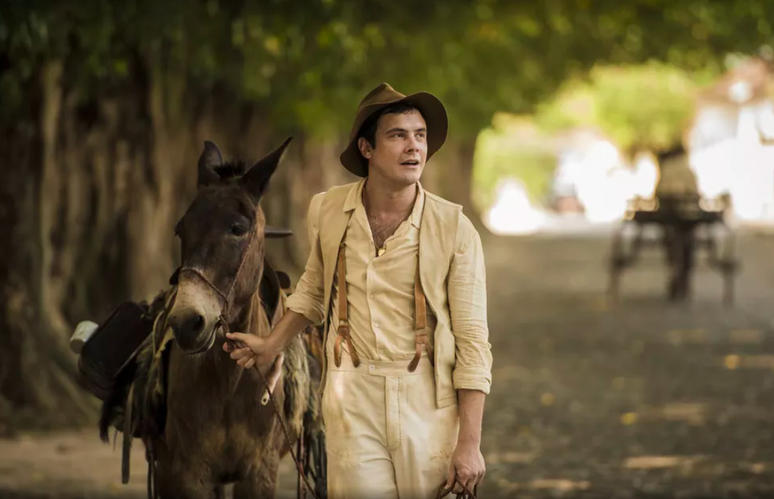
(105, 106)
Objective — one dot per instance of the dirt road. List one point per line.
(590, 399)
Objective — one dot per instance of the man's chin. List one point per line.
(410, 174)
(402, 175)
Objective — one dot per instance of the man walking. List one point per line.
(397, 276)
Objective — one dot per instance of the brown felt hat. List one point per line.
(382, 96)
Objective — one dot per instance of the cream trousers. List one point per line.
(385, 436)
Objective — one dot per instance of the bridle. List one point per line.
(222, 321)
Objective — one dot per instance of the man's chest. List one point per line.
(382, 229)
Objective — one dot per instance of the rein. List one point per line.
(222, 323)
(466, 493)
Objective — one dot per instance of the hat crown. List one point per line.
(383, 93)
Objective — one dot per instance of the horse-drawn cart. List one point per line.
(684, 224)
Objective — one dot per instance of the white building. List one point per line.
(731, 140)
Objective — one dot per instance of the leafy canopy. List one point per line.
(308, 62)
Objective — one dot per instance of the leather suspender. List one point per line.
(343, 333)
(420, 323)
(343, 330)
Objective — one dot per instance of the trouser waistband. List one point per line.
(382, 367)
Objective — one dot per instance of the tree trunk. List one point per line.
(89, 207)
(311, 167)
(450, 175)
(91, 191)
(36, 370)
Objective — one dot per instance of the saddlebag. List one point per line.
(113, 347)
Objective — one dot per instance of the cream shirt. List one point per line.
(380, 292)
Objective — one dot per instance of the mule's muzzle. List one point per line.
(192, 333)
(195, 315)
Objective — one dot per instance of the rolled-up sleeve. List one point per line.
(307, 299)
(467, 304)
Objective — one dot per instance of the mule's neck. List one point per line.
(251, 318)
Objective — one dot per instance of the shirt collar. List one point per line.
(419, 205)
(355, 197)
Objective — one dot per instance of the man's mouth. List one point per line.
(410, 162)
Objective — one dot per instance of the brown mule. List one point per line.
(217, 430)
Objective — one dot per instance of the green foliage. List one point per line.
(308, 62)
(638, 107)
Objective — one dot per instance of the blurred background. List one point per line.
(559, 113)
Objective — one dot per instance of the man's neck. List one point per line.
(385, 199)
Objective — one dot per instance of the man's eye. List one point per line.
(238, 230)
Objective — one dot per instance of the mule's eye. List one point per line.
(238, 229)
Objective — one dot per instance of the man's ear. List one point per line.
(365, 147)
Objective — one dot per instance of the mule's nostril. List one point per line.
(194, 324)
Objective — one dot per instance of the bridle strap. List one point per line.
(206, 281)
(222, 319)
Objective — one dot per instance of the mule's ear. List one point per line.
(208, 161)
(256, 180)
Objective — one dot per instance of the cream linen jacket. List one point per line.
(452, 273)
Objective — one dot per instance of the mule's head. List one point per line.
(222, 244)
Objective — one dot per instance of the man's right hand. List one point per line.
(249, 350)
(252, 350)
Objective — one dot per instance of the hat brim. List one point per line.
(433, 112)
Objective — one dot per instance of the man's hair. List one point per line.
(368, 129)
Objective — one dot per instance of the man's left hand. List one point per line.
(467, 465)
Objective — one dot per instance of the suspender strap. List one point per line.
(343, 331)
(420, 323)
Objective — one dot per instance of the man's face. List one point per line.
(401, 148)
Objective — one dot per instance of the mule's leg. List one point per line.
(184, 481)
(261, 483)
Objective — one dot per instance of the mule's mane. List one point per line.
(231, 169)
